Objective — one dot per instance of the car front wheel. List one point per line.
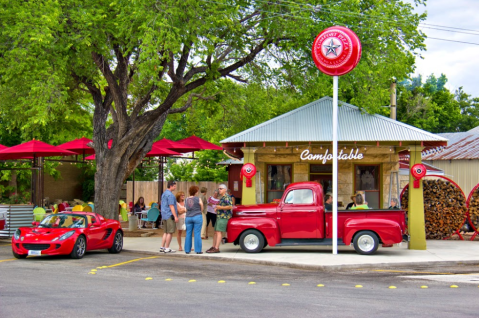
(252, 241)
(117, 243)
(366, 242)
(80, 248)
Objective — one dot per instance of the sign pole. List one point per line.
(335, 164)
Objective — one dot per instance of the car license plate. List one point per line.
(35, 253)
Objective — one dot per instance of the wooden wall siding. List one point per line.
(149, 189)
(464, 172)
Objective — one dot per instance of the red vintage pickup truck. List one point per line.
(300, 219)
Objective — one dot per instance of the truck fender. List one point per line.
(388, 231)
(267, 226)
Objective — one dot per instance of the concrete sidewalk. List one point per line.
(321, 257)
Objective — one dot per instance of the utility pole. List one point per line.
(393, 99)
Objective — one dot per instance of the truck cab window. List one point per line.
(303, 196)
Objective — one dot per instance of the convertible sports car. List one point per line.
(68, 233)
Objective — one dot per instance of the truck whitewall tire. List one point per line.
(366, 242)
(252, 241)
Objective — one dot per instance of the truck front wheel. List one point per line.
(252, 241)
(366, 242)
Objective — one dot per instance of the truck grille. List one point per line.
(36, 247)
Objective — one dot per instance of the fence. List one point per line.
(16, 216)
(149, 189)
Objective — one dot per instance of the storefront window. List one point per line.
(367, 182)
(279, 177)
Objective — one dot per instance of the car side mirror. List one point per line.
(35, 223)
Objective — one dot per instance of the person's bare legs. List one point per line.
(166, 240)
(217, 240)
(178, 237)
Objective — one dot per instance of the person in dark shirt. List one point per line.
(350, 205)
(328, 202)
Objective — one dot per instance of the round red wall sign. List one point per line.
(336, 51)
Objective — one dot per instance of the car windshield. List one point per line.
(64, 221)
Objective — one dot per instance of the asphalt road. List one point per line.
(138, 285)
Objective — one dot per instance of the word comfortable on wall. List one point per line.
(305, 155)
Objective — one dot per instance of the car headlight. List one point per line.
(17, 234)
(64, 236)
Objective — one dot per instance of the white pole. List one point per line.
(335, 165)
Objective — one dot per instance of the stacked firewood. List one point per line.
(444, 208)
(474, 208)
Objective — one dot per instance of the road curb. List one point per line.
(324, 268)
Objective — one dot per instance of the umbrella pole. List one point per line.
(160, 179)
(42, 176)
(133, 196)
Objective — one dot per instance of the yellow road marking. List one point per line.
(253, 283)
(5, 244)
(285, 284)
(192, 281)
(320, 285)
(6, 260)
(392, 287)
(221, 282)
(133, 260)
(148, 278)
(359, 286)
(410, 272)
(424, 287)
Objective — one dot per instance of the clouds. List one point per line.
(458, 61)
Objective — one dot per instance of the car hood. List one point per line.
(43, 233)
(251, 210)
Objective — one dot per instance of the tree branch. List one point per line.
(189, 102)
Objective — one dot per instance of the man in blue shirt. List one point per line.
(169, 215)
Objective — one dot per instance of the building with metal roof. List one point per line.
(297, 146)
(459, 159)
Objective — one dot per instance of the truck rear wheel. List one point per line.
(252, 241)
(366, 242)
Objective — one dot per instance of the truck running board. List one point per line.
(299, 242)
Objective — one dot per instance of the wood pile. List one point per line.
(444, 208)
(474, 208)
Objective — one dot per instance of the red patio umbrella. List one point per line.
(3, 147)
(155, 152)
(199, 144)
(79, 145)
(35, 149)
(174, 145)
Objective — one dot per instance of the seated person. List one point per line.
(350, 205)
(328, 202)
(394, 204)
(360, 204)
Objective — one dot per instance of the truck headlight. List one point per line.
(17, 234)
(64, 236)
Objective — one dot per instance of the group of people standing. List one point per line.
(193, 214)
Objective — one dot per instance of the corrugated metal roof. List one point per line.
(313, 122)
(463, 145)
(474, 130)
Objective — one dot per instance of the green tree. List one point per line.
(140, 61)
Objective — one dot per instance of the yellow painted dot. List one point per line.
(148, 278)
(454, 286)
(392, 287)
(359, 286)
(285, 285)
(192, 281)
(168, 279)
(253, 283)
(424, 287)
(320, 285)
(92, 273)
(221, 282)
(93, 270)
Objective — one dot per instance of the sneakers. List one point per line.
(155, 228)
(223, 240)
(162, 249)
(169, 250)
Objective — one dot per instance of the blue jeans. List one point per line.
(193, 223)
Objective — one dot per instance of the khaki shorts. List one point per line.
(169, 225)
(221, 225)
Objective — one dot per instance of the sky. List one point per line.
(458, 61)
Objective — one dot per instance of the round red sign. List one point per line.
(336, 51)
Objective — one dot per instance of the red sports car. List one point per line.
(68, 233)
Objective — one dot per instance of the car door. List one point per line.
(299, 217)
(96, 232)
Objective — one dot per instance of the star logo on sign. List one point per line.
(331, 48)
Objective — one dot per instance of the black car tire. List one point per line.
(252, 241)
(79, 249)
(19, 256)
(117, 245)
(366, 242)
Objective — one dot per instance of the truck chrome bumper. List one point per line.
(405, 237)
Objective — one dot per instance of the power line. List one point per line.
(453, 41)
